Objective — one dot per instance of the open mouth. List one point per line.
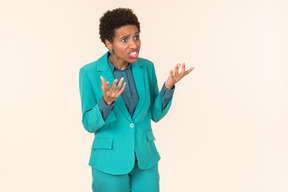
(133, 54)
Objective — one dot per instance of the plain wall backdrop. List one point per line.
(227, 129)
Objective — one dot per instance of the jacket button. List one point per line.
(131, 125)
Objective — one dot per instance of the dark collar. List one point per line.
(113, 67)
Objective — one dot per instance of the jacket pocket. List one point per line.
(150, 136)
(102, 143)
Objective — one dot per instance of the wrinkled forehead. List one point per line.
(126, 30)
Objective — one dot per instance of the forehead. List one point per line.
(126, 30)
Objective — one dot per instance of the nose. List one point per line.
(133, 45)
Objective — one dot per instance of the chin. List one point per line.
(133, 60)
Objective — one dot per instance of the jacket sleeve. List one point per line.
(166, 95)
(157, 111)
(92, 119)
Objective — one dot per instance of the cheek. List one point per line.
(119, 49)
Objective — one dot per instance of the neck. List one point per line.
(120, 64)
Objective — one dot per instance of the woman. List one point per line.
(119, 97)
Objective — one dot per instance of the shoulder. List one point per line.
(89, 66)
(148, 67)
(88, 70)
(145, 63)
(92, 67)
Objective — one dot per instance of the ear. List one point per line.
(108, 44)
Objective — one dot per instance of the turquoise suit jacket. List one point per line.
(116, 138)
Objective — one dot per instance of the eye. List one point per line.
(136, 38)
(125, 40)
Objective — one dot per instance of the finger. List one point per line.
(177, 67)
(121, 90)
(189, 70)
(172, 74)
(177, 70)
(106, 86)
(114, 84)
(102, 84)
(183, 69)
(102, 81)
(120, 84)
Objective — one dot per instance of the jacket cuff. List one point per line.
(105, 109)
(166, 95)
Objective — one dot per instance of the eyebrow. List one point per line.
(124, 36)
(136, 33)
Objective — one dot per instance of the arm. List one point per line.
(104, 108)
(158, 108)
(92, 118)
(166, 95)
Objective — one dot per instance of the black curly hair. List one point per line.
(115, 19)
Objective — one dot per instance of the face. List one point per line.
(126, 45)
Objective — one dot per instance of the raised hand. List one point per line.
(110, 95)
(175, 76)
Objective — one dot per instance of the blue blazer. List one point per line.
(120, 135)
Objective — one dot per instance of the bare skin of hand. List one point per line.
(110, 95)
(175, 76)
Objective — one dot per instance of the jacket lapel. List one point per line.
(108, 76)
(139, 78)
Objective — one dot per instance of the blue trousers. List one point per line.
(137, 180)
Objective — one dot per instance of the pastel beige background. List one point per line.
(227, 130)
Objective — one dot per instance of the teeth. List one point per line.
(133, 53)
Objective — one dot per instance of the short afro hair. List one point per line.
(115, 19)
